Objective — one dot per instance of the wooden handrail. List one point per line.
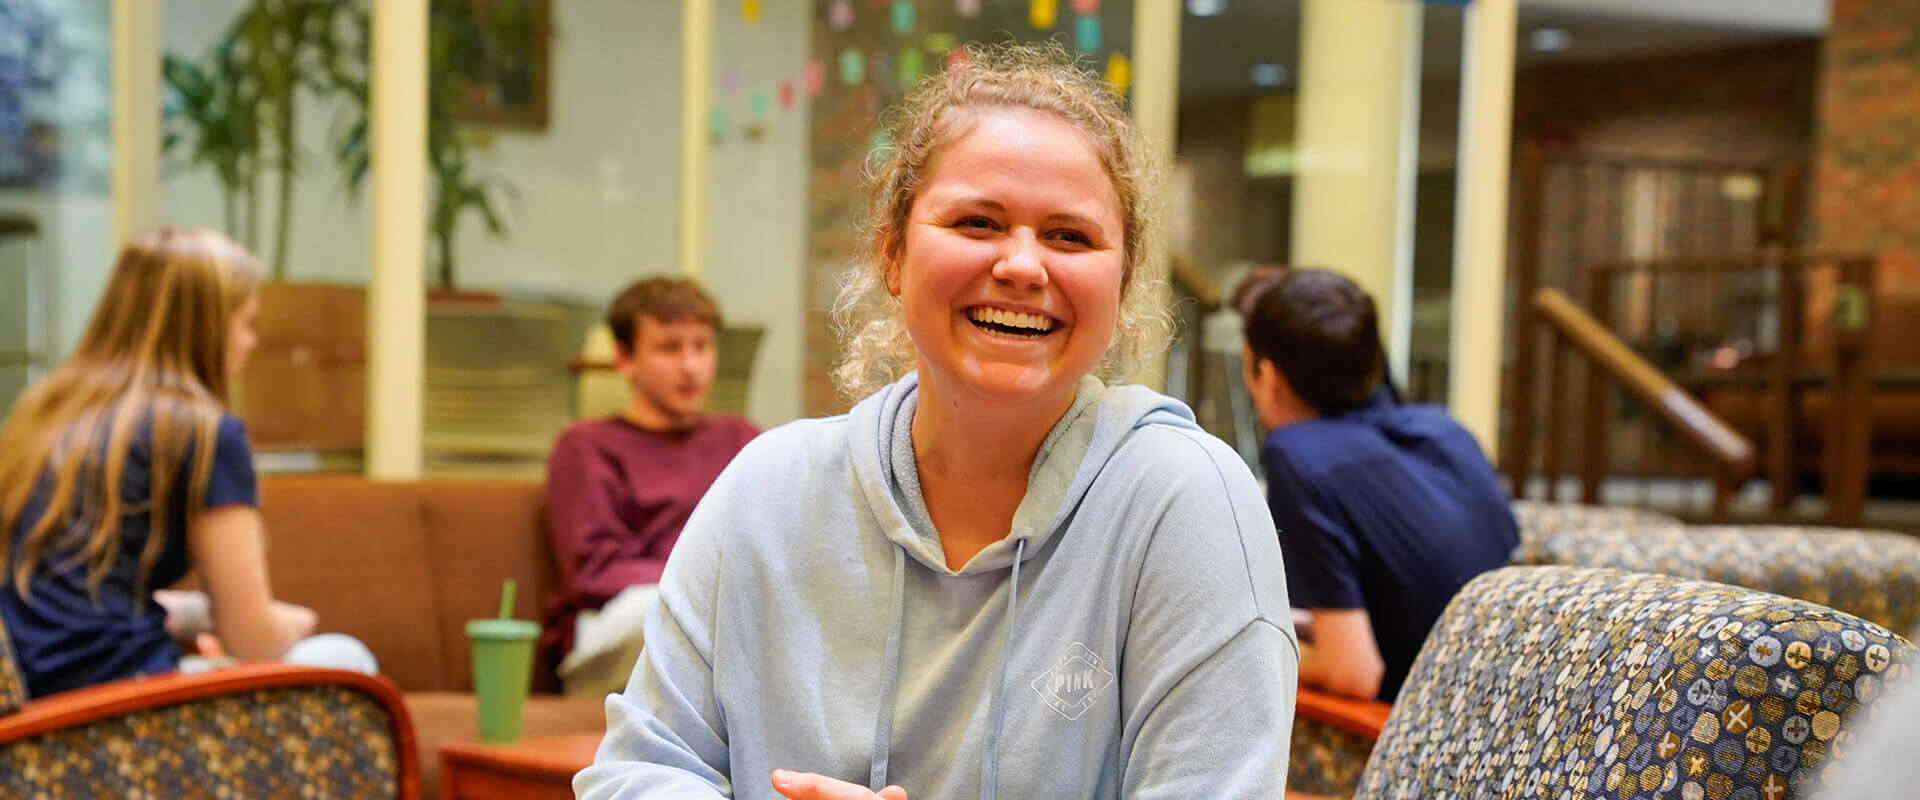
(1186, 276)
(1732, 451)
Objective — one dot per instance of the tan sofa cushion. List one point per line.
(357, 552)
(481, 533)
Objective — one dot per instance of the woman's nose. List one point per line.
(1022, 263)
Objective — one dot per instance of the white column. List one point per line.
(136, 116)
(696, 142)
(1156, 110)
(1480, 222)
(396, 292)
(1358, 140)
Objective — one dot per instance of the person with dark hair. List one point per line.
(1384, 510)
(620, 488)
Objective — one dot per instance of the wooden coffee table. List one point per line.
(534, 768)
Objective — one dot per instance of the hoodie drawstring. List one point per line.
(990, 766)
(890, 678)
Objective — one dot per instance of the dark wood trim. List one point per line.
(1850, 420)
(1516, 442)
(1596, 411)
(1362, 718)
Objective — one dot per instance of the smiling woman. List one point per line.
(997, 81)
(998, 572)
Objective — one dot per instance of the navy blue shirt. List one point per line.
(1391, 508)
(67, 637)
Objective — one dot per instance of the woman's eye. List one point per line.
(1075, 237)
(981, 223)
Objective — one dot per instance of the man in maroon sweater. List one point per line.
(619, 489)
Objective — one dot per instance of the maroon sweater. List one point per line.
(617, 497)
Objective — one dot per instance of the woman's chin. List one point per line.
(1011, 383)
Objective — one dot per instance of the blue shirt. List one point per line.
(66, 636)
(1389, 508)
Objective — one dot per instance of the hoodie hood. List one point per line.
(810, 622)
(1069, 459)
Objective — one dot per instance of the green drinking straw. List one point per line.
(506, 599)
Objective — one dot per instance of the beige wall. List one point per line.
(595, 200)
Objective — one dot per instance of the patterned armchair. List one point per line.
(1332, 739)
(1871, 574)
(1577, 682)
(1333, 736)
(252, 731)
(1550, 531)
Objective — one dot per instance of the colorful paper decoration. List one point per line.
(815, 77)
(760, 103)
(1120, 72)
(840, 15)
(903, 17)
(853, 67)
(717, 124)
(786, 94)
(750, 11)
(1086, 6)
(967, 8)
(729, 80)
(1086, 33)
(910, 66)
(1043, 13)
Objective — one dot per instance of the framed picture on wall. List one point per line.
(500, 58)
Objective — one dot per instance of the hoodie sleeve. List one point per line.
(665, 735)
(1210, 662)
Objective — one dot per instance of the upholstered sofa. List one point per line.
(403, 566)
(1578, 682)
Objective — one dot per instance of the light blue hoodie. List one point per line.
(808, 621)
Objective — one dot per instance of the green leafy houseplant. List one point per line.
(465, 42)
(236, 111)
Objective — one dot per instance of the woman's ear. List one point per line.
(889, 247)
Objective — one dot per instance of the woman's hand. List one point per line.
(809, 786)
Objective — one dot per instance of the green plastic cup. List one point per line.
(502, 674)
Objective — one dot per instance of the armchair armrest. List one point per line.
(1363, 718)
(111, 701)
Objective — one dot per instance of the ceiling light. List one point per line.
(1206, 8)
(1268, 76)
(1550, 40)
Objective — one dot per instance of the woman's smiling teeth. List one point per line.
(1011, 324)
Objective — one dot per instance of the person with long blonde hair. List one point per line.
(123, 470)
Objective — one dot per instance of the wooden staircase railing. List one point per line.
(1732, 454)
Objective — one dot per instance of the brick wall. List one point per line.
(1867, 160)
(1751, 103)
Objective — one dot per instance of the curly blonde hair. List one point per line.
(1043, 77)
